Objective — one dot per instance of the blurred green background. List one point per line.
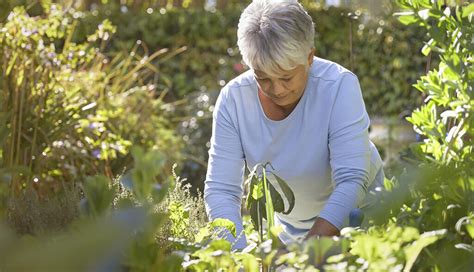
(360, 35)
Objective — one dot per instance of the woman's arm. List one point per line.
(223, 185)
(349, 150)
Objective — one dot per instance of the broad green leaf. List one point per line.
(468, 10)
(219, 245)
(289, 195)
(317, 247)
(256, 188)
(99, 194)
(278, 204)
(203, 233)
(470, 229)
(413, 250)
(225, 223)
(252, 207)
(249, 262)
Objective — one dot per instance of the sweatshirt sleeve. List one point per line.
(349, 150)
(224, 179)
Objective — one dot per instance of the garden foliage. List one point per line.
(76, 123)
(67, 111)
(380, 51)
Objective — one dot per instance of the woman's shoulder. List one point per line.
(328, 70)
(238, 94)
(245, 79)
(239, 86)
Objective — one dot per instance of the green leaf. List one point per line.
(408, 19)
(413, 250)
(203, 233)
(46, 4)
(468, 223)
(252, 207)
(470, 230)
(225, 223)
(317, 247)
(278, 204)
(248, 261)
(268, 202)
(256, 188)
(289, 195)
(219, 245)
(427, 47)
(435, 13)
(466, 11)
(11, 63)
(449, 113)
(99, 194)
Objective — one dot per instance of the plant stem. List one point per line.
(268, 204)
(260, 227)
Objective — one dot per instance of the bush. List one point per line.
(67, 110)
(445, 196)
(436, 190)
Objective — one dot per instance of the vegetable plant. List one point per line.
(263, 199)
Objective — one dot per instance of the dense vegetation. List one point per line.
(92, 121)
(203, 42)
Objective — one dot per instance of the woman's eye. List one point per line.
(287, 79)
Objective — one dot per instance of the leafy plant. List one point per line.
(263, 199)
(187, 216)
(90, 245)
(99, 195)
(68, 111)
(443, 193)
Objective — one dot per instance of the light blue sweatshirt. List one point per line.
(322, 150)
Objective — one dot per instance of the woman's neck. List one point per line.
(273, 111)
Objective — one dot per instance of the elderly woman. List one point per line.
(303, 114)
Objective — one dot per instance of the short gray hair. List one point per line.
(275, 35)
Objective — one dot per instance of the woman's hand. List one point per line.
(322, 227)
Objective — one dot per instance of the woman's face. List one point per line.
(287, 87)
(283, 89)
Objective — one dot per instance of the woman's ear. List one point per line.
(311, 55)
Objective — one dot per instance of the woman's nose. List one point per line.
(278, 89)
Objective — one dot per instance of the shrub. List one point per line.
(186, 214)
(436, 191)
(67, 110)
